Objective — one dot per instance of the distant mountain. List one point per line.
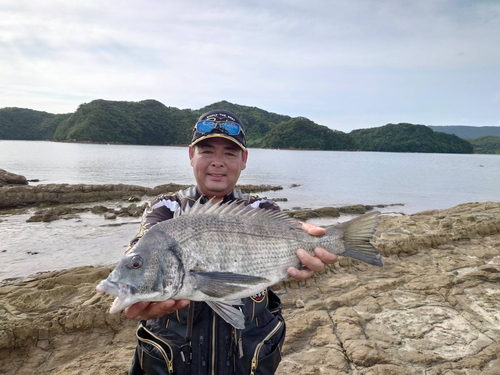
(486, 145)
(468, 132)
(409, 138)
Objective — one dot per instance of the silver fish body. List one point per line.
(222, 253)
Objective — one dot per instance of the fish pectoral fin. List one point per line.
(229, 313)
(221, 284)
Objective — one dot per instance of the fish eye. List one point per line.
(135, 262)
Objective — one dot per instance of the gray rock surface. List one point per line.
(8, 178)
(54, 194)
(433, 309)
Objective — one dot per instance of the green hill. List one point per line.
(27, 124)
(147, 122)
(409, 138)
(150, 122)
(468, 132)
(486, 145)
(302, 133)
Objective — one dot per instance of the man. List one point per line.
(167, 342)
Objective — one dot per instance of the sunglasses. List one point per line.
(228, 127)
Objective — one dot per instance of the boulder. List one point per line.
(8, 178)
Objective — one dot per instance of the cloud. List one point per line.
(338, 60)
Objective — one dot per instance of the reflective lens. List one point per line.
(206, 126)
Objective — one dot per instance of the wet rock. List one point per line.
(303, 215)
(109, 216)
(250, 189)
(8, 178)
(99, 209)
(279, 200)
(54, 194)
(134, 199)
(356, 209)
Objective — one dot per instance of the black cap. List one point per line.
(220, 115)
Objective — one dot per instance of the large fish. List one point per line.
(220, 253)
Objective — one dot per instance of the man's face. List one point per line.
(217, 164)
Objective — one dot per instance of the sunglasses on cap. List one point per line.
(228, 127)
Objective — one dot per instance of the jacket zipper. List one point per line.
(213, 343)
(255, 359)
(170, 363)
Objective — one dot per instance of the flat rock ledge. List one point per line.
(432, 310)
(12, 196)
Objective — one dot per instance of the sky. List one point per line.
(346, 64)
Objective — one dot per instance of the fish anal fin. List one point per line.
(229, 313)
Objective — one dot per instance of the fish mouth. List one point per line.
(125, 294)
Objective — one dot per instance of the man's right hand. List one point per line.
(149, 310)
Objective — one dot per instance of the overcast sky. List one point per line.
(345, 64)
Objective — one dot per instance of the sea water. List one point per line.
(324, 178)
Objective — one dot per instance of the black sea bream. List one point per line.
(220, 253)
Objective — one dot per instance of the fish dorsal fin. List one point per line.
(235, 208)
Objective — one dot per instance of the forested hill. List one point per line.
(304, 134)
(149, 122)
(27, 124)
(486, 145)
(468, 132)
(409, 138)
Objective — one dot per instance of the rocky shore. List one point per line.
(12, 196)
(433, 309)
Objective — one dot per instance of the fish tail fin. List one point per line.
(356, 235)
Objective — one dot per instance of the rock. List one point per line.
(303, 215)
(18, 196)
(356, 209)
(7, 178)
(300, 304)
(98, 209)
(134, 199)
(279, 199)
(109, 216)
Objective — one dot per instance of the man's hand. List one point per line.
(148, 310)
(313, 264)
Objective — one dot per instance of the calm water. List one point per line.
(326, 178)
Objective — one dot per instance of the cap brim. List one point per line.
(218, 136)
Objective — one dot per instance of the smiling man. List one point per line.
(196, 340)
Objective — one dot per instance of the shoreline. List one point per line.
(441, 279)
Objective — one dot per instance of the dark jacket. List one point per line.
(217, 347)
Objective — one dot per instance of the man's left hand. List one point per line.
(312, 263)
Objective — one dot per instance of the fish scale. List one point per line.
(224, 252)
